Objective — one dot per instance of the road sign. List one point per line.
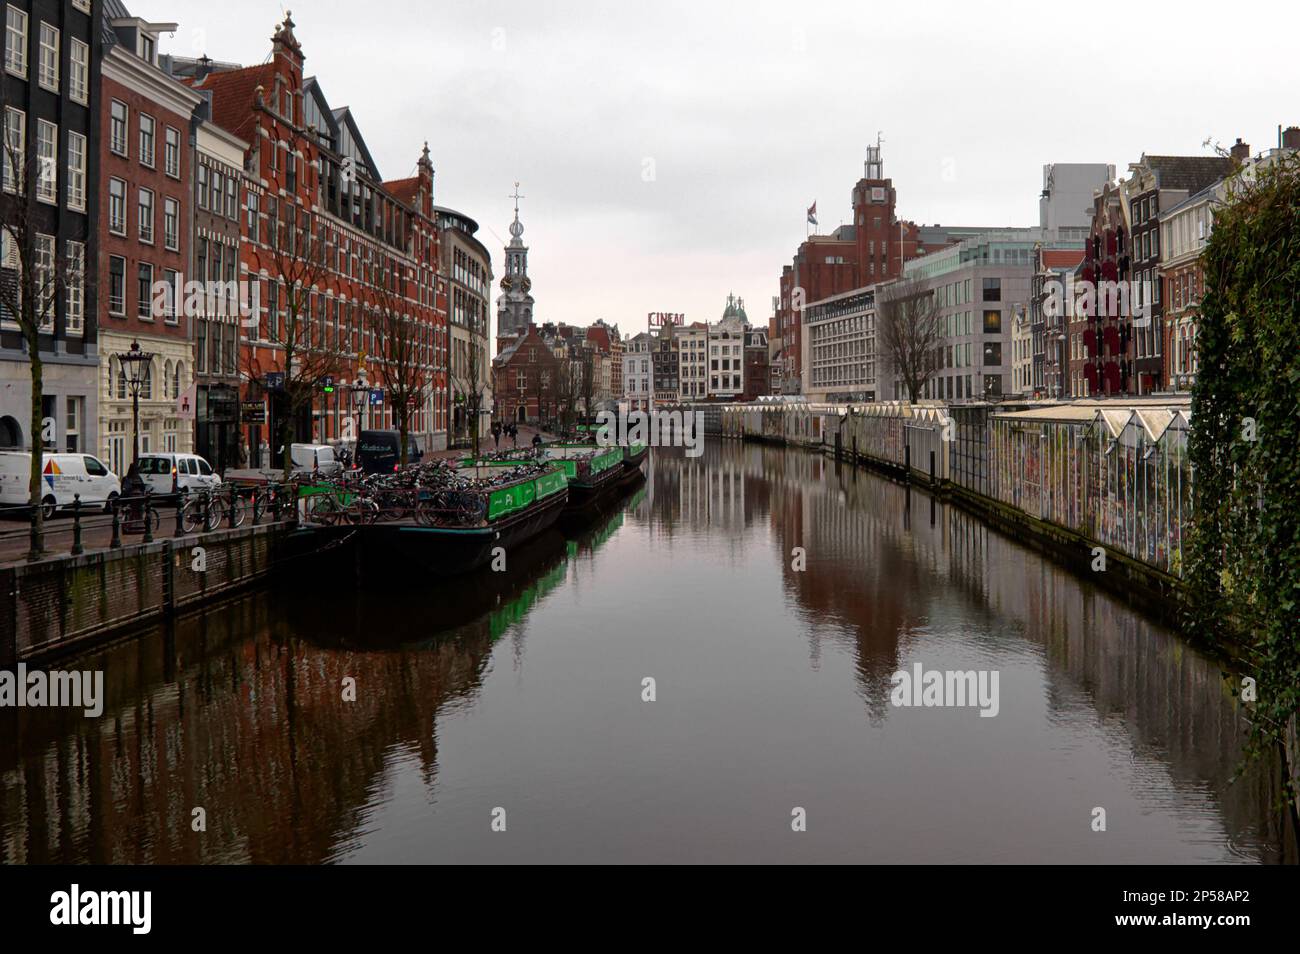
(185, 403)
(377, 396)
(275, 380)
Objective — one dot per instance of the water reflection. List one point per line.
(523, 689)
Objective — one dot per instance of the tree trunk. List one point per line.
(37, 547)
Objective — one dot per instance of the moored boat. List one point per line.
(591, 470)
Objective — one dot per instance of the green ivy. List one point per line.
(1243, 573)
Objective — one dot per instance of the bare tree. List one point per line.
(909, 331)
(586, 371)
(566, 391)
(474, 383)
(541, 388)
(400, 352)
(305, 353)
(34, 272)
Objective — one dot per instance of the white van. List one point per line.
(63, 476)
(315, 459)
(169, 473)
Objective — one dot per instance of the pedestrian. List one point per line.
(537, 440)
(496, 435)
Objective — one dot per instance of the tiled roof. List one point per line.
(1062, 257)
(1192, 173)
(404, 190)
(233, 96)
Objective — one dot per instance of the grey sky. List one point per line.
(750, 111)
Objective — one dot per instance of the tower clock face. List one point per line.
(505, 284)
(528, 284)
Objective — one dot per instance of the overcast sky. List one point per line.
(667, 151)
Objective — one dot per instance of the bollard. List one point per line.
(180, 512)
(146, 510)
(230, 514)
(116, 542)
(77, 548)
(207, 506)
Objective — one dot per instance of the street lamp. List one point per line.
(136, 364)
(360, 389)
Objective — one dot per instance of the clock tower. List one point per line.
(515, 304)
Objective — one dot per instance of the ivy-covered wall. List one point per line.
(1244, 568)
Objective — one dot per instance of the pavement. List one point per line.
(97, 528)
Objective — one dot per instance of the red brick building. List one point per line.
(872, 249)
(524, 379)
(311, 184)
(144, 212)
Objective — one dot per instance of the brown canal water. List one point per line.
(523, 692)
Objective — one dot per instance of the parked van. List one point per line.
(172, 473)
(315, 459)
(380, 452)
(63, 476)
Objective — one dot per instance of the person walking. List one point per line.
(496, 435)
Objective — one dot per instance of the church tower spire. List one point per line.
(515, 305)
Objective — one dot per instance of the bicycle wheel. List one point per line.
(323, 508)
(259, 505)
(216, 514)
(192, 515)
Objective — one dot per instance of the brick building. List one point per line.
(315, 194)
(524, 376)
(144, 208)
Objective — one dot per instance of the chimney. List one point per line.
(202, 67)
(1291, 137)
(1240, 150)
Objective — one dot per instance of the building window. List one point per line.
(218, 187)
(76, 284)
(15, 147)
(72, 425)
(116, 285)
(147, 126)
(146, 216)
(172, 151)
(117, 127)
(992, 322)
(16, 41)
(47, 159)
(201, 188)
(171, 287)
(252, 218)
(232, 198)
(117, 206)
(144, 291)
(45, 281)
(992, 289)
(76, 171)
(79, 72)
(172, 224)
(48, 69)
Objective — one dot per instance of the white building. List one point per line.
(692, 381)
(638, 376)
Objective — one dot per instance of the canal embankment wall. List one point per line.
(57, 606)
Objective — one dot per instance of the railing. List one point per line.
(188, 513)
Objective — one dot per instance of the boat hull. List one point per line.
(447, 551)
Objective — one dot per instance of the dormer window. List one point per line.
(147, 46)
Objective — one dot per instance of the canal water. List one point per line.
(519, 699)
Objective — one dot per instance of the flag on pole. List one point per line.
(812, 214)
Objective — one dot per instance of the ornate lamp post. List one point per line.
(136, 364)
(360, 389)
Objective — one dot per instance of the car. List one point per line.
(169, 473)
(63, 478)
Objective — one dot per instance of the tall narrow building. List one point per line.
(515, 305)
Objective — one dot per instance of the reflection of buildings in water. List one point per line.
(723, 489)
(236, 712)
(883, 562)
